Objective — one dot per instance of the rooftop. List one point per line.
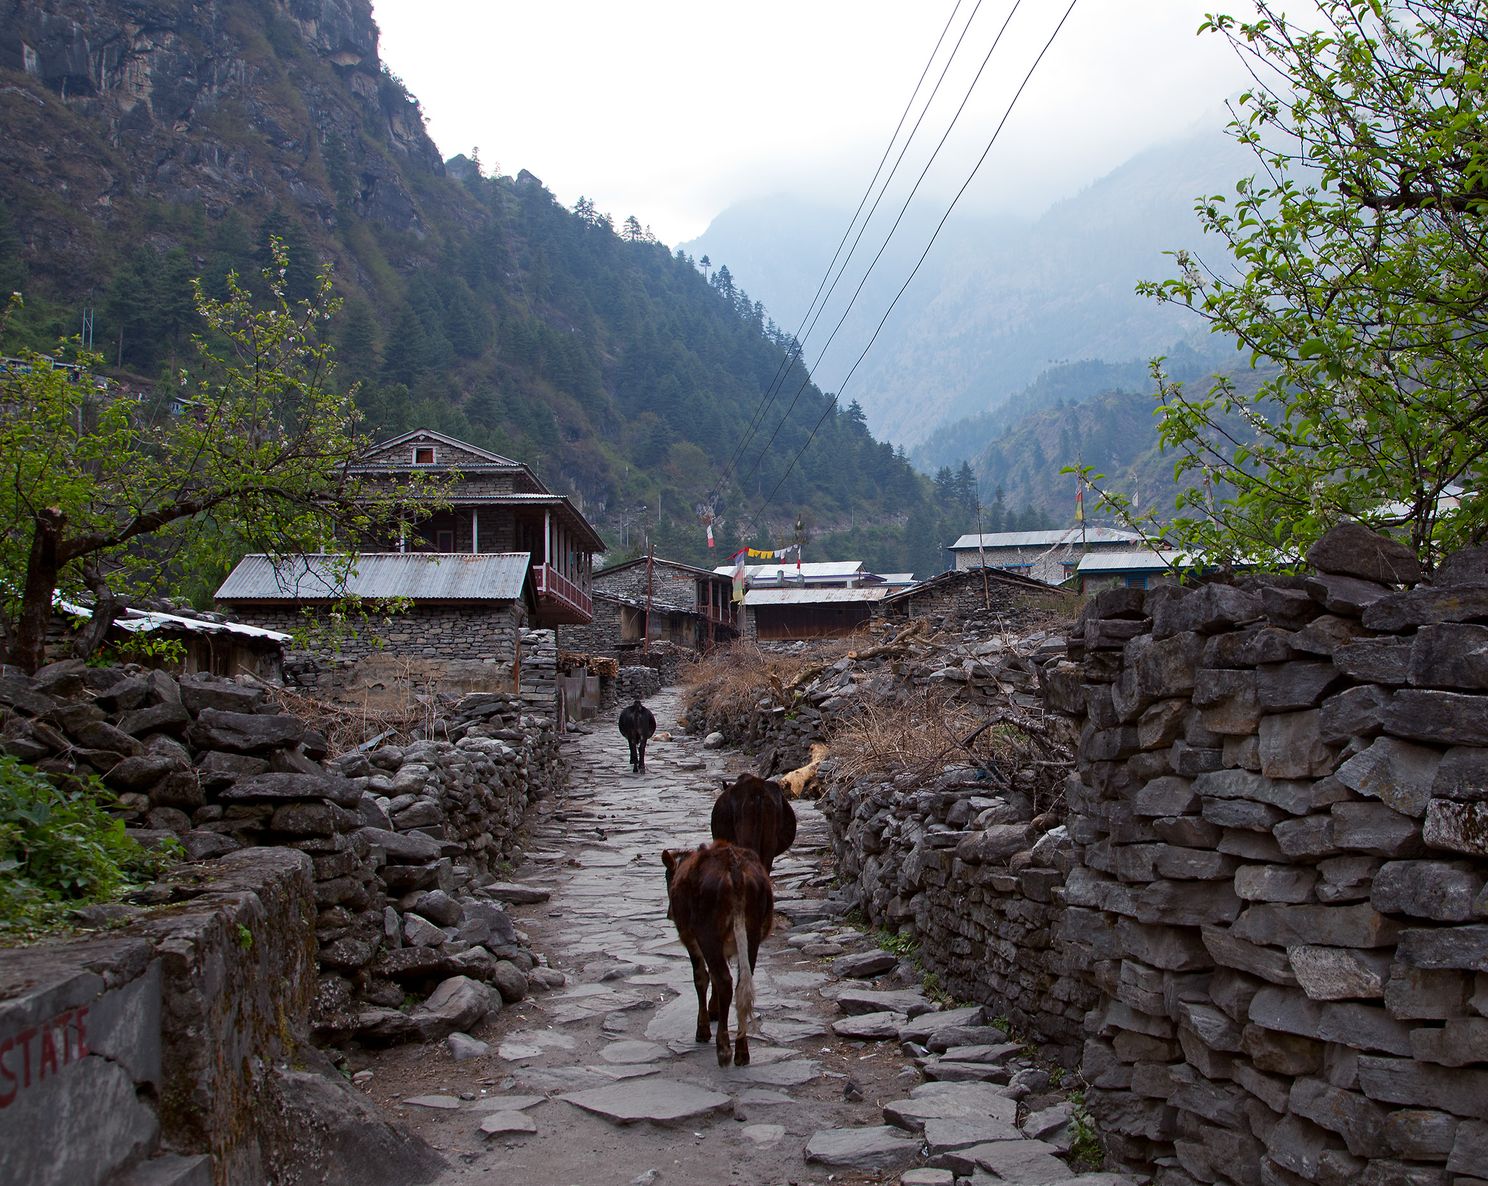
(1066, 536)
(422, 576)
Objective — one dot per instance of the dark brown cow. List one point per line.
(719, 896)
(755, 813)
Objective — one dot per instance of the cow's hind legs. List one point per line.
(700, 983)
(723, 996)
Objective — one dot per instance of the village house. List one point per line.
(499, 554)
(784, 601)
(1048, 556)
(1137, 568)
(960, 593)
(664, 600)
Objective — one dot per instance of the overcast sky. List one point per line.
(671, 110)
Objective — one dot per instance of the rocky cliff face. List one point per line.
(215, 106)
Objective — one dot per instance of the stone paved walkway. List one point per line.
(599, 1081)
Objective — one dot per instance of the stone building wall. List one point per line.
(1281, 820)
(959, 596)
(480, 634)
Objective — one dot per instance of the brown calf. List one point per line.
(754, 812)
(720, 898)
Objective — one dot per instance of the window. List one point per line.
(423, 455)
(444, 541)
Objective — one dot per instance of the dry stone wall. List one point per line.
(176, 1048)
(1281, 821)
(402, 840)
(966, 871)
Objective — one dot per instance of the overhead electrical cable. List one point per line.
(754, 523)
(782, 370)
(966, 98)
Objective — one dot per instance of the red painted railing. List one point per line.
(552, 583)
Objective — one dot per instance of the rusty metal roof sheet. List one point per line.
(812, 596)
(420, 576)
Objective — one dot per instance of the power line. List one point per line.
(754, 523)
(782, 369)
(966, 98)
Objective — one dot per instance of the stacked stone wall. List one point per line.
(186, 1031)
(402, 840)
(1281, 821)
(976, 882)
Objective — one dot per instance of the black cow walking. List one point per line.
(636, 725)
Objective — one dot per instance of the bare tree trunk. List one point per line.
(28, 646)
(105, 609)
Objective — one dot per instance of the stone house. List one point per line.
(498, 555)
(497, 505)
(1047, 556)
(961, 593)
(688, 606)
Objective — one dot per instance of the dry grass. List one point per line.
(925, 732)
(731, 681)
(348, 724)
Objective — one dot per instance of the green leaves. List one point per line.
(1362, 286)
(250, 452)
(60, 848)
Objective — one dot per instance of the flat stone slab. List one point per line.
(763, 1095)
(787, 1030)
(924, 1176)
(791, 1073)
(443, 1103)
(656, 1101)
(924, 1024)
(945, 1134)
(494, 1103)
(970, 1106)
(518, 895)
(998, 1052)
(1029, 1163)
(864, 1000)
(950, 1071)
(519, 1051)
(633, 1051)
(876, 1148)
(762, 1136)
(864, 965)
(508, 1122)
(869, 1027)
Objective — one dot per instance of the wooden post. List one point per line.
(650, 581)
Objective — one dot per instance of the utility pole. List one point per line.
(650, 589)
(982, 556)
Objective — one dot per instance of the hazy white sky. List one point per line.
(671, 110)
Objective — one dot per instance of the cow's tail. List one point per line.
(744, 981)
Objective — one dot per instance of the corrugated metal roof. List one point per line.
(995, 575)
(1045, 539)
(815, 596)
(816, 570)
(621, 566)
(422, 576)
(141, 621)
(1143, 560)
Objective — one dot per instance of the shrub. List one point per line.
(61, 848)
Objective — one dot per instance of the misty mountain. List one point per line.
(148, 142)
(998, 300)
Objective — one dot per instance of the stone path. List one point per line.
(599, 1080)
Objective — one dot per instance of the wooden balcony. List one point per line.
(560, 601)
